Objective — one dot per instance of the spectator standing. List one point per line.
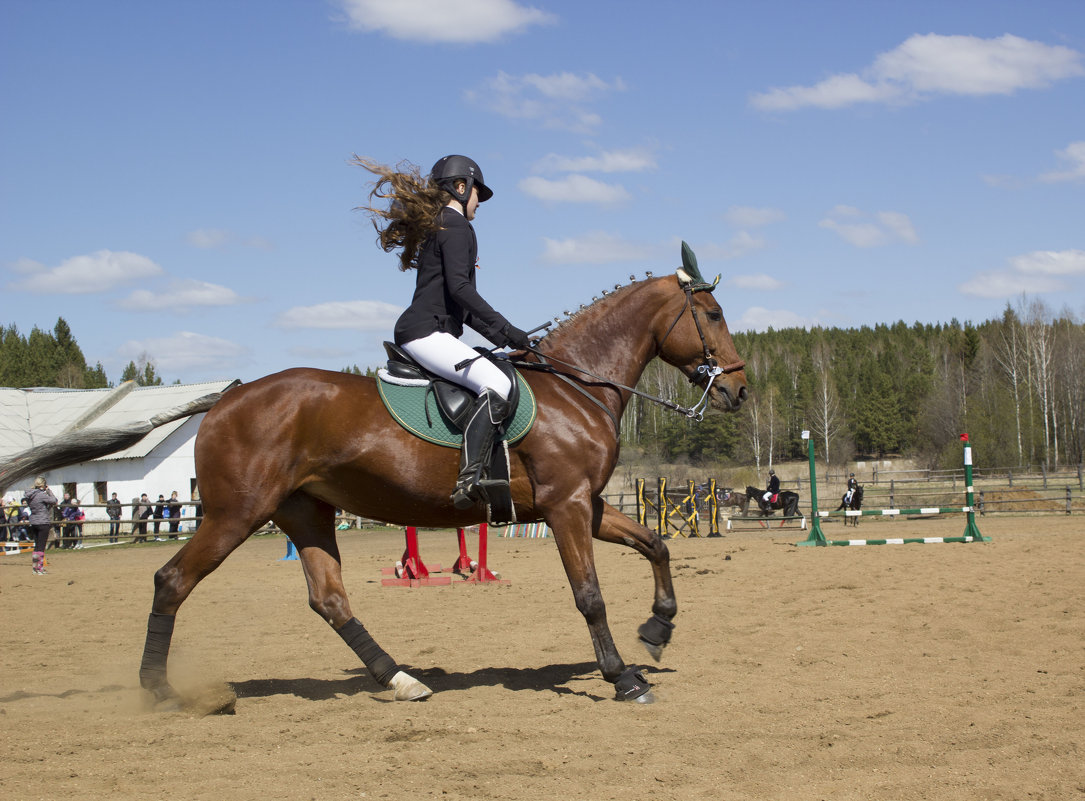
(41, 502)
(61, 513)
(11, 517)
(73, 526)
(141, 510)
(113, 512)
(159, 515)
(173, 512)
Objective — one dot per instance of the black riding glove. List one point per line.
(515, 337)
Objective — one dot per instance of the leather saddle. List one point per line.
(454, 400)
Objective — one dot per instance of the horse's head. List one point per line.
(692, 335)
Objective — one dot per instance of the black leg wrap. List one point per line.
(380, 666)
(152, 670)
(630, 685)
(656, 630)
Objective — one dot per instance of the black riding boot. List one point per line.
(478, 438)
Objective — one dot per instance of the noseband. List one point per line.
(710, 369)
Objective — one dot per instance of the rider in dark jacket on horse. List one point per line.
(772, 490)
(853, 484)
(430, 220)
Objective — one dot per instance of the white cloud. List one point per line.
(758, 318)
(899, 225)
(100, 271)
(994, 284)
(181, 295)
(629, 160)
(756, 283)
(353, 315)
(556, 101)
(933, 64)
(856, 228)
(186, 351)
(1039, 271)
(574, 189)
(461, 22)
(752, 217)
(208, 238)
(835, 92)
(1051, 262)
(596, 247)
(1074, 156)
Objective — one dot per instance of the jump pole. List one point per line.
(971, 530)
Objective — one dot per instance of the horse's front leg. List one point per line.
(574, 522)
(619, 528)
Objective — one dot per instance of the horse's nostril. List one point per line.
(743, 394)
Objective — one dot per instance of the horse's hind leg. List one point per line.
(618, 528)
(310, 524)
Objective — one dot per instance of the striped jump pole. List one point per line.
(971, 531)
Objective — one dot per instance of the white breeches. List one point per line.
(440, 352)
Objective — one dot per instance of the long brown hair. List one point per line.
(414, 206)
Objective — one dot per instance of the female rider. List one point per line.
(429, 221)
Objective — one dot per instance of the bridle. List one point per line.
(710, 369)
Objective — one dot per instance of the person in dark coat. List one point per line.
(113, 512)
(159, 514)
(429, 221)
(173, 512)
(771, 490)
(853, 485)
(41, 501)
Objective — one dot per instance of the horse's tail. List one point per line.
(82, 445)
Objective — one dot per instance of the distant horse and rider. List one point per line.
(852, 500)
(294, 446)
(784, 500)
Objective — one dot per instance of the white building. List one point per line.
(159, 464)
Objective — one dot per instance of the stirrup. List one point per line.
(467, 495)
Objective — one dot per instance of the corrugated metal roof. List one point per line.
(29, 417)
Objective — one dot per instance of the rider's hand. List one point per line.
(515, 337)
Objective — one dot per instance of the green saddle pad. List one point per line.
(405, 404)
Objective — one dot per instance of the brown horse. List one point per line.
(293, 446)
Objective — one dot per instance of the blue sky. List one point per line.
(174, 177)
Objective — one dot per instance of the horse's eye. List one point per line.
(715, 316)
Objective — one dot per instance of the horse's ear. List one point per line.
(690, 274)
(689, 260)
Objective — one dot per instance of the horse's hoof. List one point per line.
(162, 698)
(654, 650)
(654, 635)
(408, 688)
(632, 686)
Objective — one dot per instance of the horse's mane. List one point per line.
(599, 304)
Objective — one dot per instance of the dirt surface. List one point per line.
(931, 672)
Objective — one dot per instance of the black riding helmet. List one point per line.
(448, 171)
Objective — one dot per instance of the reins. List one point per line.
(710, 369)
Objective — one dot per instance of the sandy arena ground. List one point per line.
(933, 672)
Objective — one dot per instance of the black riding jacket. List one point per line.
(445, 298)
